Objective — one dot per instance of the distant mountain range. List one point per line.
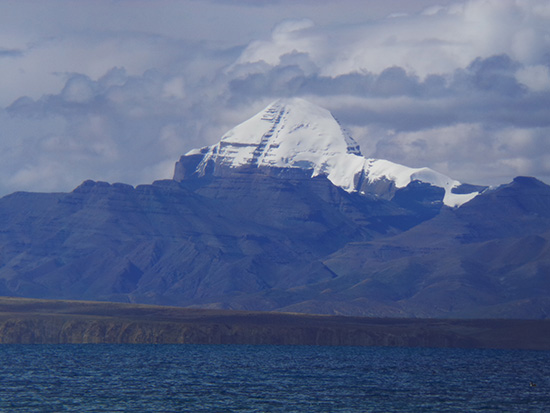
(285, 214)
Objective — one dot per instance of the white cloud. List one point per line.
(283, 31)
(287, 37)
(472, 152)
(437, 40)
(78, 89)
(536, 78)
(52, 174)
(174, 88)
(170, 140)
(117, 91)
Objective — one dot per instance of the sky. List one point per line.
(118, 90)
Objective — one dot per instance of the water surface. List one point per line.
(171, 378)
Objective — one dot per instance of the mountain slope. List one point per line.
(490, 257)
(182, 244)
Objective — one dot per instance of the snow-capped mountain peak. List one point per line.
(289, 133)
(294, 133)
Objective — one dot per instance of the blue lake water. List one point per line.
(195, 378)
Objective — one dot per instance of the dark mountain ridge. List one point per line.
(260, 242)
(114, 235)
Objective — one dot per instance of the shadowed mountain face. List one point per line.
(491, 257)
(194, 242)
(260, 242)
(285, 214)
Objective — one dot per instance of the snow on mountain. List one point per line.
(288, 133)
(294, 133)
(377, 169)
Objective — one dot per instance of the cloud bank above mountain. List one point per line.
(117, 91)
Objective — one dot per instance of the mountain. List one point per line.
(294, 133)
(489, 258)
(284, 213)
(182, 243)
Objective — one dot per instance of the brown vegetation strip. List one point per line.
(33, 321)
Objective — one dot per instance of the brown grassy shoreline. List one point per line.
(32, 321)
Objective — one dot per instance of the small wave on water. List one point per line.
(201, 378)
